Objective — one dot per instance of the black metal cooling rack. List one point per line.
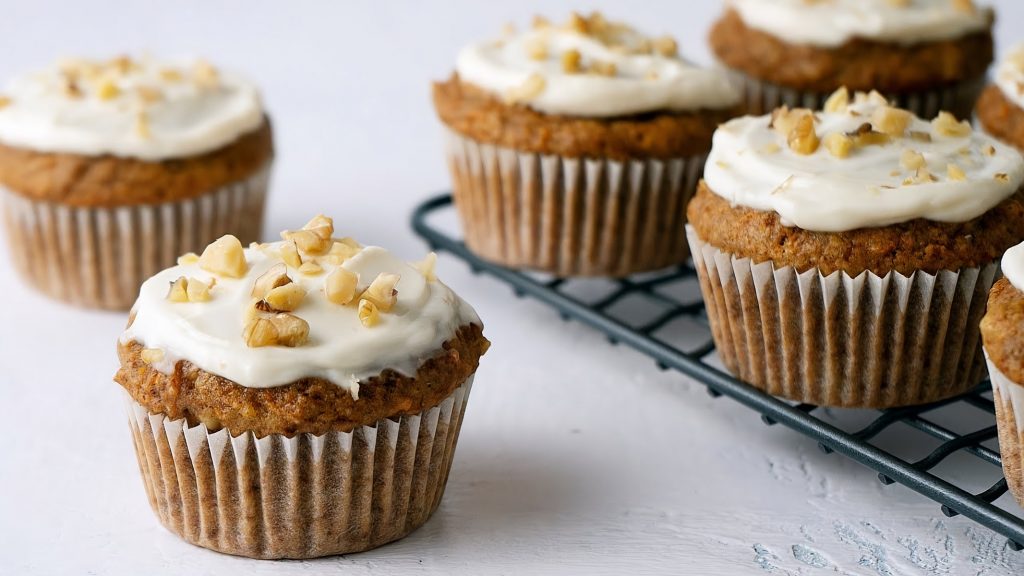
(662, 316)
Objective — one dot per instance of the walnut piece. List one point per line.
(368, 313)
(340, 286)
(839, 145)
(188, 259)
(276, 277)
(838, 101)
(278, 330)
(571, 61)
(340, 252)
(199, 291)
(802, 139)
(151, 355)
(427, 267)
(225, 257)
(911, 159)
(955, 173)
(381, 292)
(311, 268)
(178, 291)
(891, 121)
(945, 124)
(290, 254)
(284, 298)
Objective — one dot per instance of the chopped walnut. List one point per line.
(571, 61)
(1002, 177)
(921, 176)
(368, 313)
(188, 259)
(803, 139)
(199, 291)
(178, 291)
(340, 252)
(784, 120)
(225, 257)
(955, 172)
(866, 135)
(290, 255)
(311, 268)
(278, 330)
(989, 150)
(427, 266)
(911, 160)
(578, 23)
(947, 125)
(838, 101)
(382, 291)
(275, 277)
(107, 90)
(839, 145)
(151, 355)
(340, 286)
(314, 237)
(891, 121)
(284, 298)
(532, 87)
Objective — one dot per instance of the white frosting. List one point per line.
(644, 82)
(182, 117)
(1010, 75)
(751, 165)
(831, 23)
(340, 348)
(1013, 266)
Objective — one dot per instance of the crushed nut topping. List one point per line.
(382, 291)
(276, 277)
(277, 330)
(190, 290)
(178, 291)
(427, 267)
(955, 172)
(838, 101)
(911, 160)
(803, 139)
(839, 145)
(284, 298)
(152, 355)
(368, 313)
(290, 255)
(532, 87)
(866, 135)
(188, 258)
(947, 125)
(225, 257)
(891, 121)
(311, 268)
(921, 176)
(340, 286)
(571, 61)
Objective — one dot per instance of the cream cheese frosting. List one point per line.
(1013, 266)
(592, 68)
(865, 165)
(1010, 75)
(831, 23)
(147, 109)
(341, 346)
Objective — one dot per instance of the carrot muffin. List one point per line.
(1002, 331)
(573, 149)
(110, 169)
(845, 255)
(297, 399)
(1000, 109)
(925, 55)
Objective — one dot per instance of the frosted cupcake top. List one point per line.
(830, 23)
(593, 68)
(860, 163)
(1010, 75)
(309, 306)
(139, 108)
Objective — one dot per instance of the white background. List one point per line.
(575, 457)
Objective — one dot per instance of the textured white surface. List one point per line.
(576, 457)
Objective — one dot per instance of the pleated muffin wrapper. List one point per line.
(571, 216)
(762, 97)
(300, 497)
(863, 341)
(97, 257)
(1009, 400)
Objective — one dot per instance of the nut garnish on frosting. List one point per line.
(860, 162)
(310, 305)
(591, 66)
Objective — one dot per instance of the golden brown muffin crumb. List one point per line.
(1002, 330)
(906, 247)
(310, 405)
(476, 114)
(109, 181)
(858, 64)
(1001, 117)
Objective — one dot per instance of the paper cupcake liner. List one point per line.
(571, 216)
(834, 340)
(1009, 400)
(763, 97)
(98, 257)
(300, 497)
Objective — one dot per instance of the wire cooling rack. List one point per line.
(925, 448)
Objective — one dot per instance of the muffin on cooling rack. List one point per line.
(926, 55)
(1002, 331)
(1000, 109)
(574, 148)
(110, 169)
(845, 255)
(297, 399)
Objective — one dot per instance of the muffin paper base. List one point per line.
(763, 97)
(836, 340)
(300, 497)
(571, 216)
(98, 257)
(1009, 400)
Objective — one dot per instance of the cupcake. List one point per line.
(1000, 109)
(110, 169)
(573, 149)
(925, 55)
(296, 399)
(1003, 337)
(845, 255)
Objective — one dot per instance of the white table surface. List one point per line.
(576, 457)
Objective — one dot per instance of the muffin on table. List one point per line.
(110, 169)
(574, 148)
(925, 55)
(845, 255)
(1000, 110)
(297, 399)
(1002, 331)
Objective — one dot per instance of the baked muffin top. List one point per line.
(142, 108)
(860, 163)
(832, 23)
(310, 306)
(591, 67)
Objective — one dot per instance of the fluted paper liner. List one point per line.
(836, 340)
(299, 497)
(1009, 400)
(98, 257)
(959, 98)
(571, 216)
